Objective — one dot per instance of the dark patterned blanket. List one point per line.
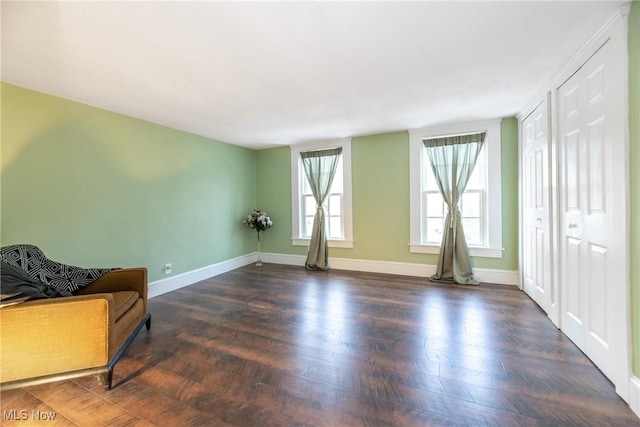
(55, 274)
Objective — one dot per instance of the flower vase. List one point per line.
(259, 260)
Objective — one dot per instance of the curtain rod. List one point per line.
(455, 134)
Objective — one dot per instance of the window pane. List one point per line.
(334, 204)
(434, 230)
(309, 206)
(431, 182)
(337, 183)
(434, 204)
(335, 227)
(472, 231)
(306, 189)
(308, 226)
(476, 181)
(471, 206)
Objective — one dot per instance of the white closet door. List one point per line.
(592, 214)
(536, 251)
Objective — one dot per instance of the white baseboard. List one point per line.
(634, 394)
(159, 287)
(162, 286)
(284, 259)
(503, 277)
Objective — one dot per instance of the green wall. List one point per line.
(380, 187)
(273, 188)
(380, 175)
(95, 188)
(634, 167)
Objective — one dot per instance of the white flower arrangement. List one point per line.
(258, 220)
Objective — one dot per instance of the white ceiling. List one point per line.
(265, 74)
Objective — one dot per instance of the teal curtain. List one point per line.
(319, 168)
(452, 160)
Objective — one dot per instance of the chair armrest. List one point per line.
(126, 279)
(44, 337)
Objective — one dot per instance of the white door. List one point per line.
(592, 229)
(536, 241)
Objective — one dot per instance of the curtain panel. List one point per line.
(452, 160)
(320, 168)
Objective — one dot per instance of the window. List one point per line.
(333, 206)
(337, 206)
(480, 205)
(471, 204)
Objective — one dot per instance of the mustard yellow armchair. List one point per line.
(47, 340)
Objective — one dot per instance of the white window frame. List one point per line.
(345, 144)
(493, 215)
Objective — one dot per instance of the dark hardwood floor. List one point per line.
(280, 346)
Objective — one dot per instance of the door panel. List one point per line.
(591, 206)
(536, 208)
(539, 180)
(596, 175)
(573, 289)
(598, 274)
(572, 171)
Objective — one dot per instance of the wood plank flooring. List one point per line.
(280, 346)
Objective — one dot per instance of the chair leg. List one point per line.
(108, 378)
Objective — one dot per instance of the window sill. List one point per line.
(296, 241)
(475, 251)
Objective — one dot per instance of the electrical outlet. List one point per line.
(167, 269)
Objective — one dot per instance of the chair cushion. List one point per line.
(123, 301)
